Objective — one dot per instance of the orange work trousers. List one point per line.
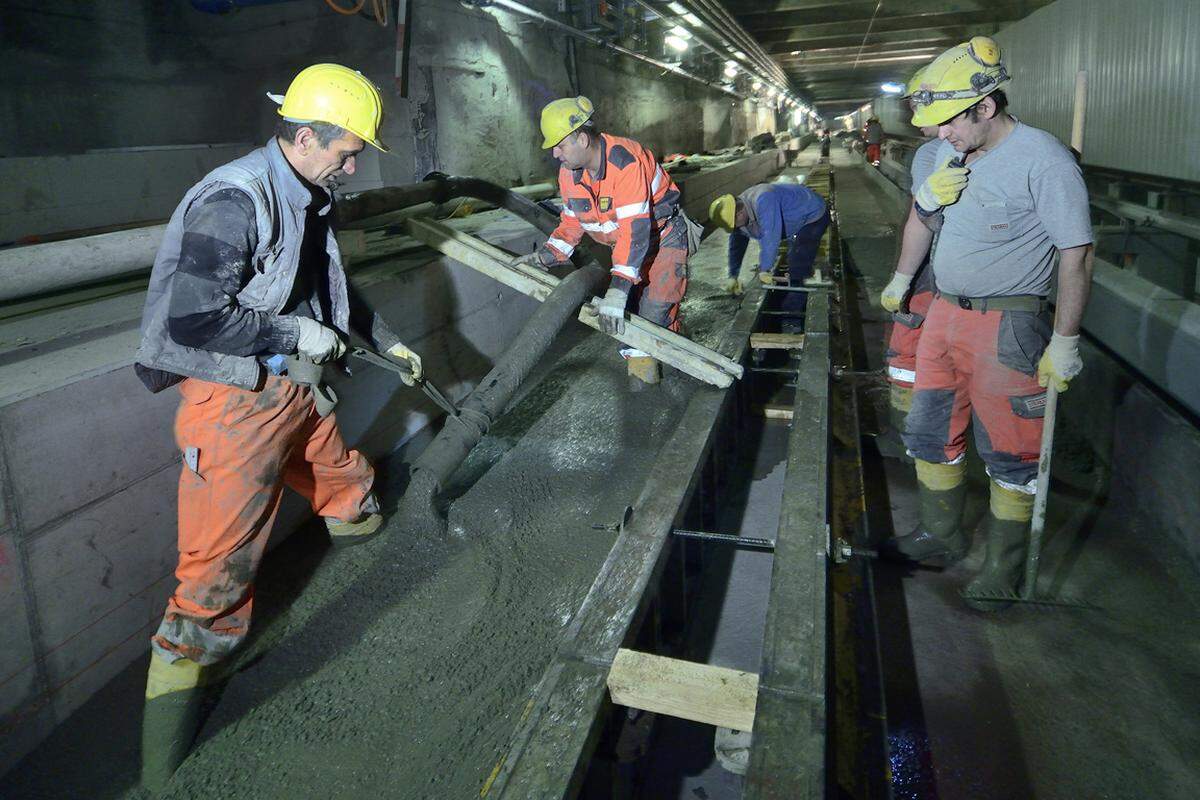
(664, 284)
(901, 354)
(980, 368)
(240, 448)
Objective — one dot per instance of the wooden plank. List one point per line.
(777, 411)
(482, 257)
(776, 341)
(684, 689)
(680, 352)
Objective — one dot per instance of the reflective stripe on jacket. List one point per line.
(629, 197)
(280, 204)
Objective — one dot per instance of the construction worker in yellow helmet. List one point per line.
(1006, 200)
(247, 301)
(613, 189)
(908, 302)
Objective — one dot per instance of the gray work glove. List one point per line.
(318, 343)
(534, 259)
(612, 310)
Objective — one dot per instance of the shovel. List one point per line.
(379, 360)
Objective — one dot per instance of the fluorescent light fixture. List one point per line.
(681, 32)
(892, 88)
(756, 85)
(675, 43)
(738, 54)
(731, 70)
(693, 19)
(677, 8)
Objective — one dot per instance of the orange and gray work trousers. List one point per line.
(901, 354)
(664, 281)
(240, 448)
(873, 152)
(979, 365)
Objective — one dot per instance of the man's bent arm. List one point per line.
(1074, 285)
(915, 241)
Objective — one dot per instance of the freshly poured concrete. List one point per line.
(400, 668)
(1033, 702)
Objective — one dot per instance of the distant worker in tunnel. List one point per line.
(770, 213)
(614, 190)
(910, 292)
(247, 301)
(1006, 198)
(873, 133)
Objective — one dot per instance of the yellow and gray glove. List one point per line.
(400, 352)
(612, 310)
(893, 293)
(318, 343)
(1060, 362)
(942, 187)
(766, 278)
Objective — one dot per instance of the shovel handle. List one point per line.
(1038, 525)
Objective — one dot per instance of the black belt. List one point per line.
(1015, 302)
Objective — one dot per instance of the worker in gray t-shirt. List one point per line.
(1007, 198)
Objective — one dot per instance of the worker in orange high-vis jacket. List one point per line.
(614, 190)
(247, 300)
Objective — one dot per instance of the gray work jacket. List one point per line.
(280, 202)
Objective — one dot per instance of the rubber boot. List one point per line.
(643, 372)
(175, 698)
(1009, 514)
(733, 287)
(938, 537)
(890, 444)
(348, 534)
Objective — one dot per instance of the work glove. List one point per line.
(400, 352)
(534, 259)
(893, 293)
(612, 311)
(1060, 362)
(318, 343)
(942, 187)
(766, 279)
(733, 286)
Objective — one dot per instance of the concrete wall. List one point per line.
(99, 76)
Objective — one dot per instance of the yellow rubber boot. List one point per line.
(891, 444)
(1009, 513)
(938, 537)
(348, 534)
(171, 718)
(643, 371)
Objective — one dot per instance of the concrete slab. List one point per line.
(18, 676)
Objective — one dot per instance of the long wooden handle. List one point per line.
(1038, 524)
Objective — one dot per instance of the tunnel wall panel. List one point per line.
(1143, 65)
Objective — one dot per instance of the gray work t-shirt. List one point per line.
(1023, 199)
(924, 162)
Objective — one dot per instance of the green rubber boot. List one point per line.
(1009, 513)
(175, 698)
(939, 536)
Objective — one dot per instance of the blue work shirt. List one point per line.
(775, 210)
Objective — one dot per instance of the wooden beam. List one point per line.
(667, 346)
(776, 341)
(699, 692)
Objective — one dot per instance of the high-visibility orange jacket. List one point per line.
(630, 197)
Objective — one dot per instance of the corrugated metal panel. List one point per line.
(1143, 65)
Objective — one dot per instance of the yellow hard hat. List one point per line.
(958, 79)
(564, 116)
(723, 211)
(337, 95)
(914, 83)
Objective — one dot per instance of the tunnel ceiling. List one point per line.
(838, 52)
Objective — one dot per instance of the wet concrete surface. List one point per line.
(1031, 701)
(401, 668)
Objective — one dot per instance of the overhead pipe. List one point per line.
(531, 13)
(720, 19)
